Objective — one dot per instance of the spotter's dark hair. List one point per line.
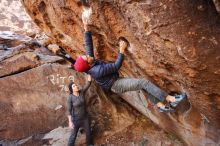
(70, 87)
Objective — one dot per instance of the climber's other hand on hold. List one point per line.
(123, 46)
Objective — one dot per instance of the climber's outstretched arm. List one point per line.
(59, 51)
(68, 58)
(88, 41)
(65, 56)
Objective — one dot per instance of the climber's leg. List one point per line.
(156, 95)
(131, 84)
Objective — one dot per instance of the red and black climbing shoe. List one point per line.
(178, 99)
(166, 109)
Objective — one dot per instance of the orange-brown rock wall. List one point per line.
(173, 43)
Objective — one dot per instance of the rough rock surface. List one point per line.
(33, 95)
(142, 133)
(14, 18)
(174, 43)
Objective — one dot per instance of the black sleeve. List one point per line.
(86, 87)
(69, 59)
(119, 60)
(66, 56)
(110, 68)
(88, 43)
(69, 105)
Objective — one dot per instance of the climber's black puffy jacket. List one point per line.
(105, 74)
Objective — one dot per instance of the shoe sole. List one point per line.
(161, 111)
(184, 97)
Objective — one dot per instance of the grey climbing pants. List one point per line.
(131, 84)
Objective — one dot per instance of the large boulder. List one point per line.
(33, 97)
(174, 43)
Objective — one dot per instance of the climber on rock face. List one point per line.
(107, 76)
(77, 114)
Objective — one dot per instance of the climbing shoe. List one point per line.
(178, 99)
(166, 109)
